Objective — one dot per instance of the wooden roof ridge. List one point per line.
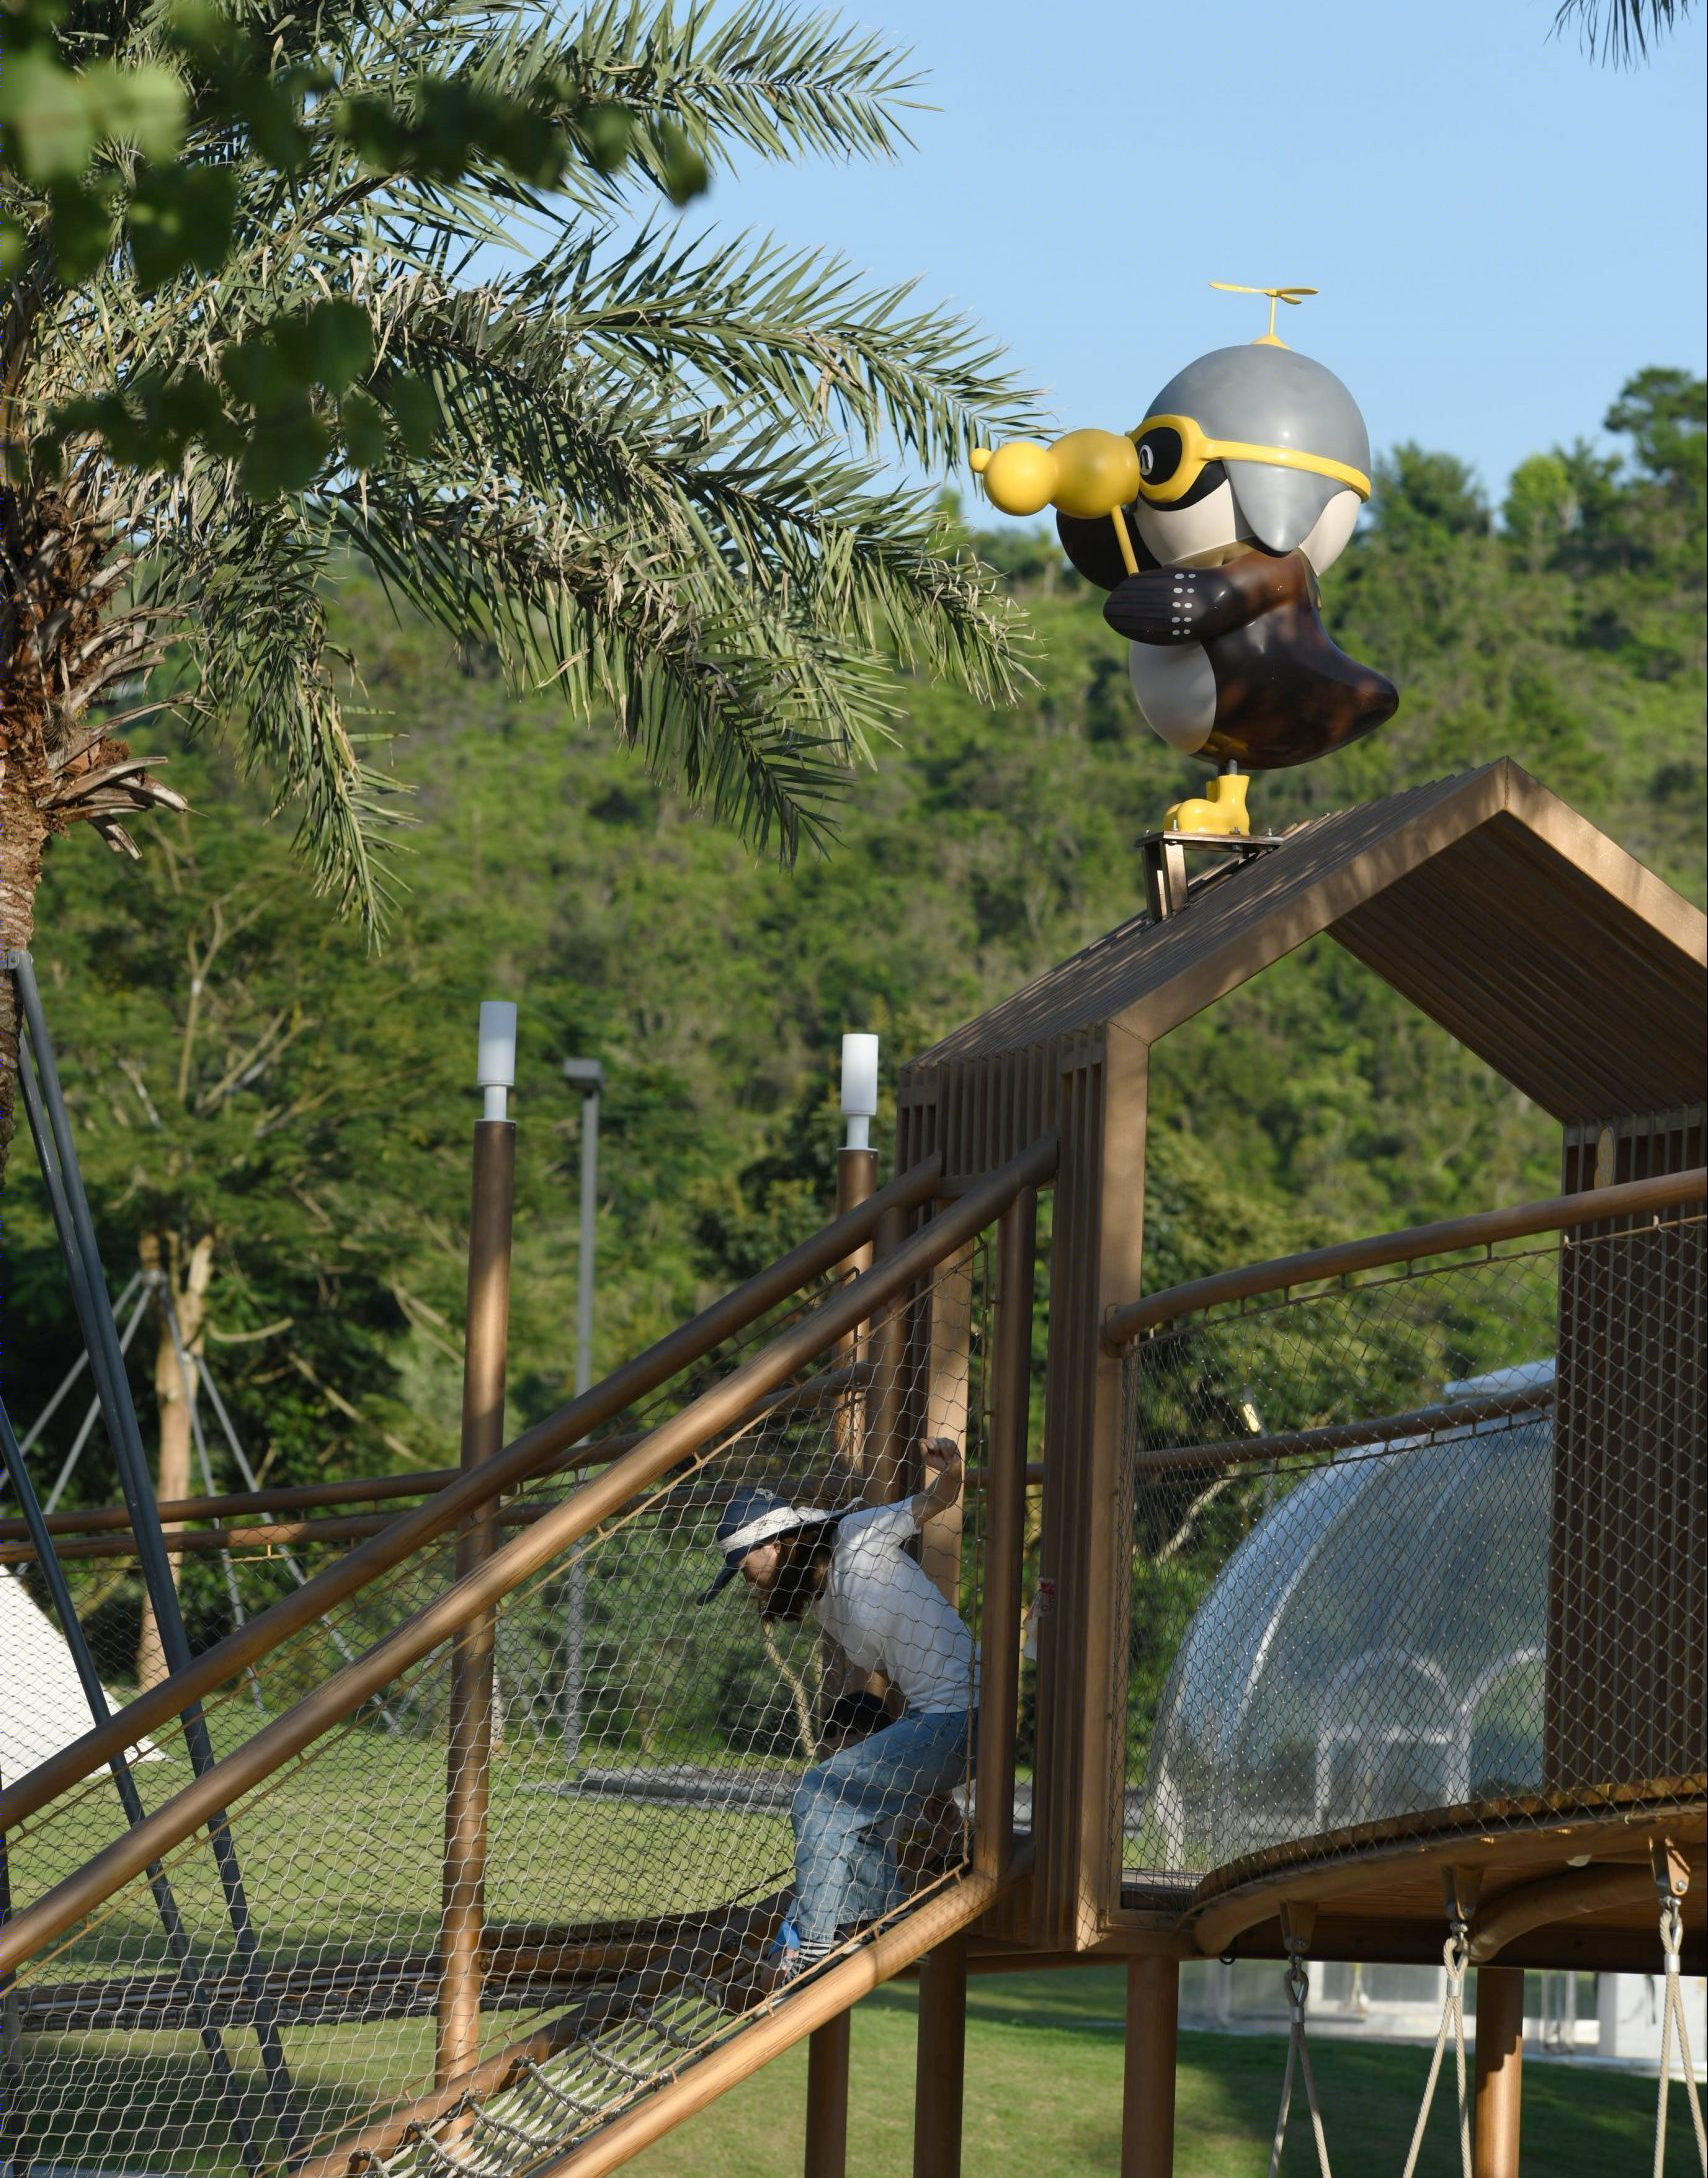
(1495, 907)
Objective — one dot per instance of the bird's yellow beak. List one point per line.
(1085, 474)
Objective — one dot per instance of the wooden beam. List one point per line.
(1482, 1229)
(1556, 1898)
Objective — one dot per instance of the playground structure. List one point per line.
(1369, 1612)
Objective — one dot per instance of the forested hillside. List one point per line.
(246, 1081)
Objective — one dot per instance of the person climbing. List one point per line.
(852, 1570)
(926, 1837)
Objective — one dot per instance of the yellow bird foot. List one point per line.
(1221, 810)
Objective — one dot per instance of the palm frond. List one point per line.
(1620, 32)
(658, 481)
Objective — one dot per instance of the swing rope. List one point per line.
(1673, 2016)
(1455, 1956)
(1298, 1991)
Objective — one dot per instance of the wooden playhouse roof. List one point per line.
(1495, 908)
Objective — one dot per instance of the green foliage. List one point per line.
(645, 471)
(138, 146)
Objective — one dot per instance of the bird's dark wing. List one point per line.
(1175, 605)
(1095, 550)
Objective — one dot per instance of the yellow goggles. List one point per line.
(1173, 451)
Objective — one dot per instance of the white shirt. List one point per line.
(884, 1613)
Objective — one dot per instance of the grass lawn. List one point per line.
(1044, 2097)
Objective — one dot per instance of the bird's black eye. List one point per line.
(1159, 454)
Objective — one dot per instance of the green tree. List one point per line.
(643, 470)
(1540, 508)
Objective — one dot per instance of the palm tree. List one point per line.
(1619, 32)
(645, 468)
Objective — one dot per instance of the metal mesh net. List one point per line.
(1430, 1540)
(679, 1804)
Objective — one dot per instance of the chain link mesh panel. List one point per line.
(108, 1595)
(674, 1792)
(1432, 1539)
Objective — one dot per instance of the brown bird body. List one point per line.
(1285, 692)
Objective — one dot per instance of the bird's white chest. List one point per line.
(1176, 688)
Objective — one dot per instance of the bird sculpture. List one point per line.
(1209, 524)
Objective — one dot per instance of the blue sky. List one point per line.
(1502, 229)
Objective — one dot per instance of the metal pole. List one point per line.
(469, 1730)
(1147, 2100)
(941, 2062)
(95, 1695)
(1500, 2070)
(588, 1076)
(56, 1153)
(584, 1250)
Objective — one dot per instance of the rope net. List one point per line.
(1433, 1539)
(683, 1805)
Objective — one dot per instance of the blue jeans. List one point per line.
(845, 1813)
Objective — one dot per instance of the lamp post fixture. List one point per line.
(588, 1077)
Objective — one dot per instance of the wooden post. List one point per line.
(1500, 2070)
(1005, 1535)
(469, 1732)
(856, 1183)
(1147, 2102)
(947, 1388)
(887, 1402)
(942, 2060)
(827, 2098)
(1096, 1254)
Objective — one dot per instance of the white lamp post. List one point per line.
(859, 1088)
(495, 1063)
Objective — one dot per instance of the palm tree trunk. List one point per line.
(22, 832)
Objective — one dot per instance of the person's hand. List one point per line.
(943, 1487)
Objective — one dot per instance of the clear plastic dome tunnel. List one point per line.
(1372, 1649)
